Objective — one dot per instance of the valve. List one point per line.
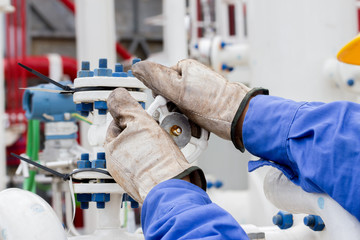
(178, 127)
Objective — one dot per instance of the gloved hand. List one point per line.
(203, 95)
(139, 153)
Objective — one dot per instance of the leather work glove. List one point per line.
(203, 95)
(139, 153)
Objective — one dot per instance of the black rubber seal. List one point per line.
(196, 175)
(237, 139)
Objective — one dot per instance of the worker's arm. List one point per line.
(316, 145)
(176, 209)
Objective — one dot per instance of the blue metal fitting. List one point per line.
(103, 70)
(223, 44)
(283, 220)
(100, 162)
(84, 162)
(350, 82)
(84, 199)
(120, 74)
(38, 103)
(136, 60)
(84, 156)
(218, 184)
(225, 67)
(84, 108)
(142, 104)
(119, 67)
(119, 71)
(130, 73)
(196, 46)
(314, 222)
(101, 106)
(100, 199)
(85, 70)
(209, 184)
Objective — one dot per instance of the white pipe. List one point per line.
(95, 38)
(285, 195)
(175, 40)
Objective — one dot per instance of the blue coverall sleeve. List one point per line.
(316, 145)
(176, 209)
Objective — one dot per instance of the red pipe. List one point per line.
(119, 48)
(40, 64)
(123, 52)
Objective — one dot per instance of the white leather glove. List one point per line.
(203, 95)
(139, 153)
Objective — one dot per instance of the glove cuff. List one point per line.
(235, 137)
(196, 175)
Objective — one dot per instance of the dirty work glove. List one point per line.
(203, 95)
(139, 153)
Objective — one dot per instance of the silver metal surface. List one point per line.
(178, 127)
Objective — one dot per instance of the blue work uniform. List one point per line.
(316, 145)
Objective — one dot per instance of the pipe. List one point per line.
(287, 196)
(41, 64)
(120, 49)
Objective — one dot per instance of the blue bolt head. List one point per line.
(119, 67)
(84, 199)
(100, 155)
(218, 184)
(85, 65)
(209, 184)
(120, 74)
(101, 106)
(85, 70)
(98, 164)
(223, 44)
(130, 73)
(283, 220)
(102, 63)
(314, 222)
(84, 156)
(84, 205)
(196, 46)
(136, 60)
(83, 164)
(350, 82)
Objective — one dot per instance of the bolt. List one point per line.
(100, 199)
(130, 73)
(84, 162)
(103, 70)
(85, 65)
(218, 184)
(223, 44)
(84, 199)
(175, 130)
(136, 60)
(196, 46)
(209, 184)
(350, 82)
(100, 162)
(85, 70)
(119, 71)
(283, 220)
(119, 67)
(102, 63)
(101, 106)
(314, 222)
(84, 108)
